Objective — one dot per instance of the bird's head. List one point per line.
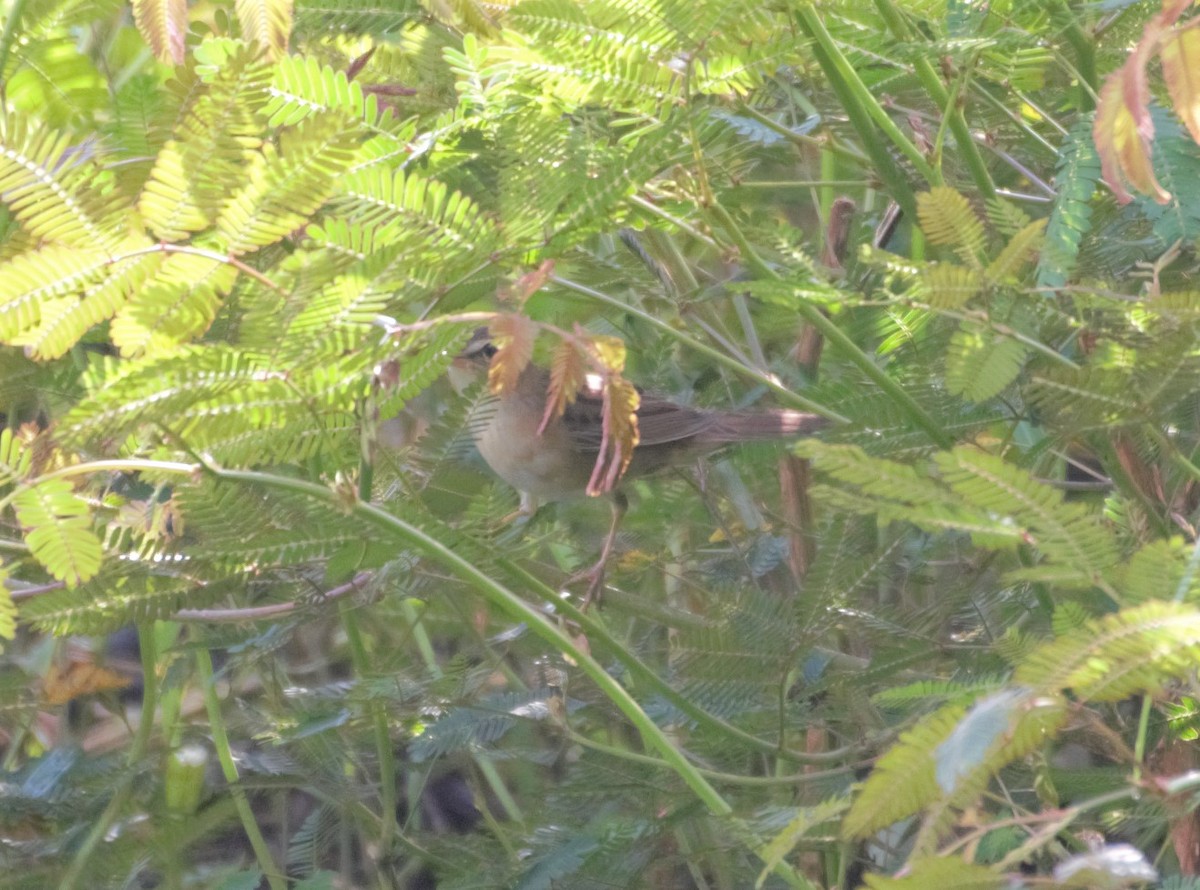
(471, 363)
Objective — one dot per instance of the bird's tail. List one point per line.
(780, 423)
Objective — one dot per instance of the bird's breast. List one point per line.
(547, 466)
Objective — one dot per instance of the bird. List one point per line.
(553, 457)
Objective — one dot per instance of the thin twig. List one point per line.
(257, 613)
(200, 252)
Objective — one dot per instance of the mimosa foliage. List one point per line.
(242, 245)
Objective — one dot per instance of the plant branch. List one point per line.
(516, 608)
(836, 337)
(866, 114)
(933, 85)
(201, 252)
(216, 720)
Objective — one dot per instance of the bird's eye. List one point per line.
(488, 350)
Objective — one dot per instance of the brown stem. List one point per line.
(794, 475)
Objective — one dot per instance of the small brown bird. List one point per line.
(557, 462)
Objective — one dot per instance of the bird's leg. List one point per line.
(595, 574)
(524, 512)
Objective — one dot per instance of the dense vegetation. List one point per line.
(267, 620)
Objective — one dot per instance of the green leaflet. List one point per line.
(1076, 177)
(58, 529)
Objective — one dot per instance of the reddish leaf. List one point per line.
(1180, 56)
(568, 372)
(513, 336)
(358, 63)
(1173, 9)
(164, 25)
(619, 405)
(530, 283)
(1123, 130)
(620, 434)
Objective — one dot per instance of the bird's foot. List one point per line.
(523, 514)
(516, 518)
(594, 576)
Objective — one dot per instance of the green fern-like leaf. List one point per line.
(167, 203)
(936, 871)
(63, 323)
(139, 128)
(478, 724)
(1082, 400)
(572, 49)
(266, 22)
(36, 284)
(283, 188)
(478, 88)
(208, 394)
(1177, 167)
(51, 187)
(1157, 571)
(15, 458)
(8, 609)
(946, 218)
(1065, 533)
(354, 242)
(339, 317)
(784, 842)
(898, 493)
(1071, 219)
(923, 692)
(950, 286)
(218, 132)
(998, 729)
(317, 834)
(122, 594)
(332, 436)
(58, 530)
(302, 87)
(947, 759)
(1138, 649)
(1020, 248)
(1067, 617)
(177, 303)
(981, 363)
(444, 223)
(732, 664)
(903, 781)
(49, 72)
(355, 17)
(1007, 217)
(239, 527)
(878, 477)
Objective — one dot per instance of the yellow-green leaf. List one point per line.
(266, 22)
(58, 530)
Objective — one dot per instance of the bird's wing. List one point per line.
(660, 422)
